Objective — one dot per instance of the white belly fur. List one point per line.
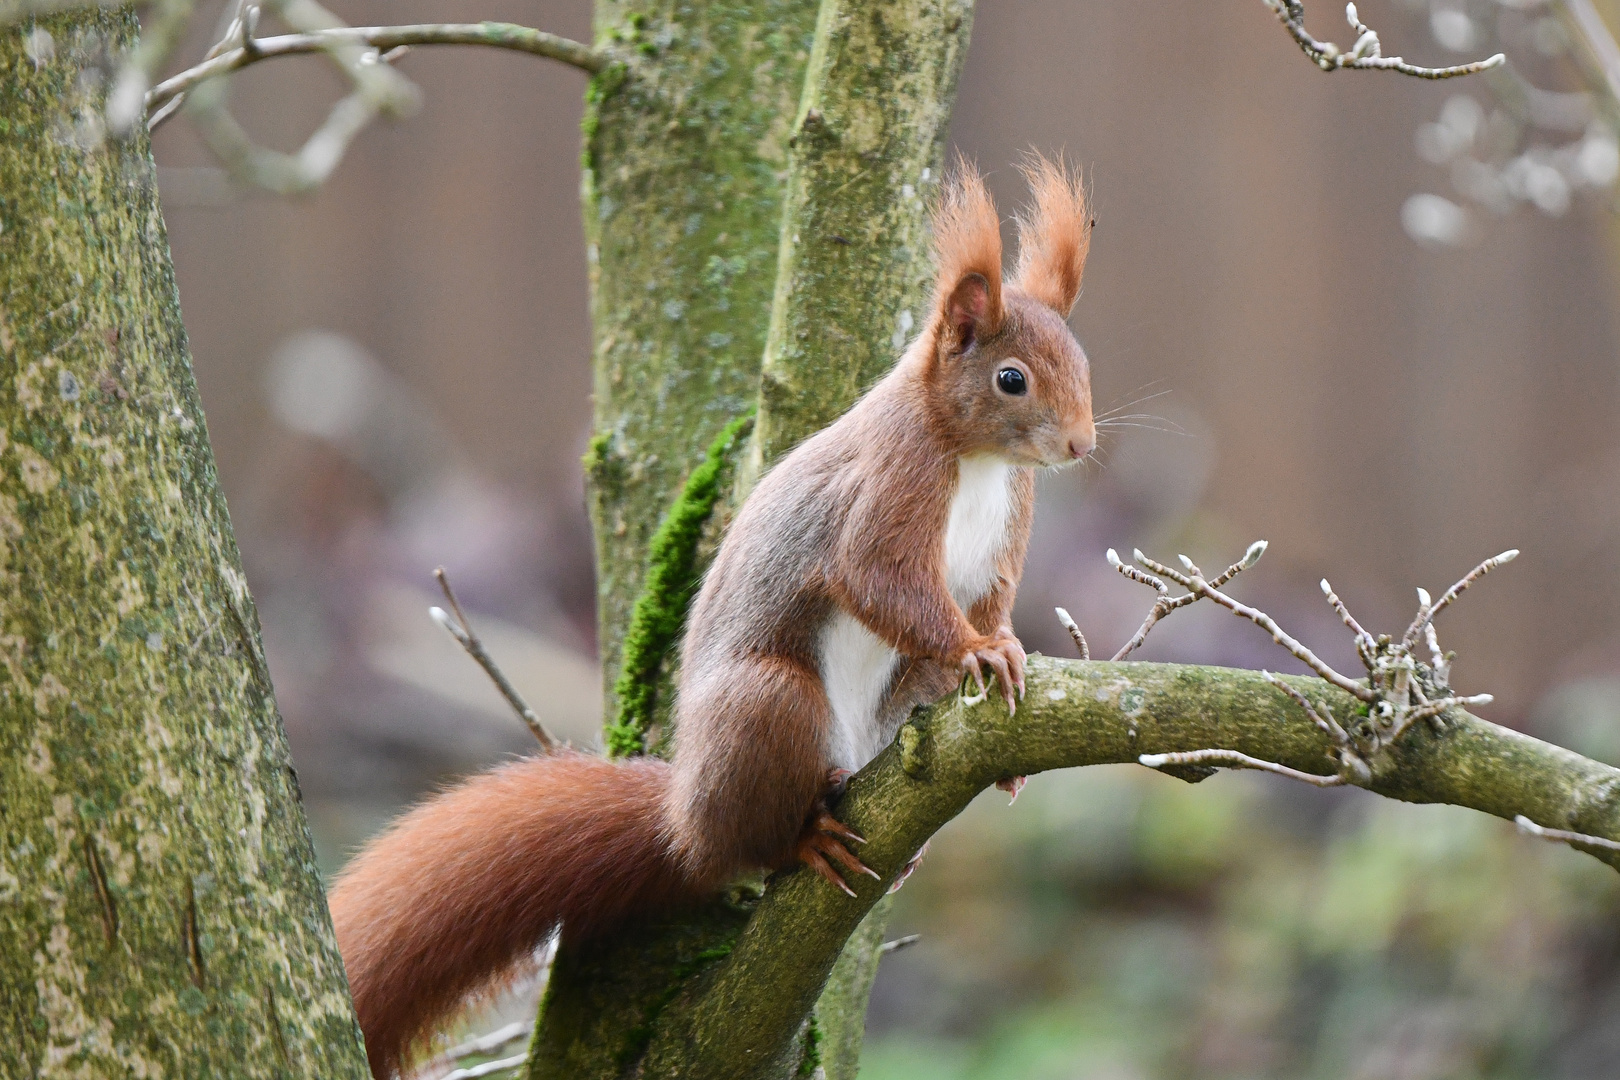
(856, 665)
(976, 531)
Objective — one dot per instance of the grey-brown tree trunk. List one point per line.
(160, 913)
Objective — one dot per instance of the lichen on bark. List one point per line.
(686, 152)
(160, 910)
(853, 270)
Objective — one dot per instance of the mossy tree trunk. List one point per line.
(160, 912)
(757, 177)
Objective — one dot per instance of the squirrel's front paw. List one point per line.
(1005, 656)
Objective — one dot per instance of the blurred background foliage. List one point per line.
(396, 375)
(1127, 926)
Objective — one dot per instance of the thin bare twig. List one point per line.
(1563, 836)
(1367, 53)
(126, 103)
(241, 23)
(493, 34)
(1323, 719)
(1364, 640)
(487, 1068)
(1193, 581)
(1429, 611)
(1398, 692)
(493, 1040)
(378, 90)
(1074, 632)
(1283, 638)
(1163, 606)
(461, 629)
(1235, 760)
(1167, 603)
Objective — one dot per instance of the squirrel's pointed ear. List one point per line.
(1054, 234)
(967, 247)
(967, 312)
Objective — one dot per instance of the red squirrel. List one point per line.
(867, 572)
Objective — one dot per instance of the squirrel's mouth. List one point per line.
(1057, 454)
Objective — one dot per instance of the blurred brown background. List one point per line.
(396, 375)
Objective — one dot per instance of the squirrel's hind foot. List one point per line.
(823, 839)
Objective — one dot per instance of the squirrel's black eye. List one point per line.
(1012, 381)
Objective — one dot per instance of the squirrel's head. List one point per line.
(1005, 374)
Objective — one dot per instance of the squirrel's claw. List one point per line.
(1005, 655)
(910, 867)
(970, 664)
(843, 855)
(829, 824)
(814, 849)
(812, 858)
(822, 840)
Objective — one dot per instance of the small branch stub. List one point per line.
(1074, 632)
(1562, 836)
(899, 943)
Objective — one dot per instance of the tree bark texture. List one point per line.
(686, 142)
(160, 910)
(757, 179)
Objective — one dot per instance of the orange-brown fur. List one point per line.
(1054, 236)
(851, 525)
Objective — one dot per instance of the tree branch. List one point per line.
(493, 34)
(1367, 53)
(750, 1006)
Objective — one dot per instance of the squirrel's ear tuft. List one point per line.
(1054, 234)
(967, 248)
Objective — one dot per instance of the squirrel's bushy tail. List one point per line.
(467, 885)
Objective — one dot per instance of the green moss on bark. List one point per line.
(667, 591)
(160, 910)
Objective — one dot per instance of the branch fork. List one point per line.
(1399, 689)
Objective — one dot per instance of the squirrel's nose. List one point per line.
(1081, 445)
